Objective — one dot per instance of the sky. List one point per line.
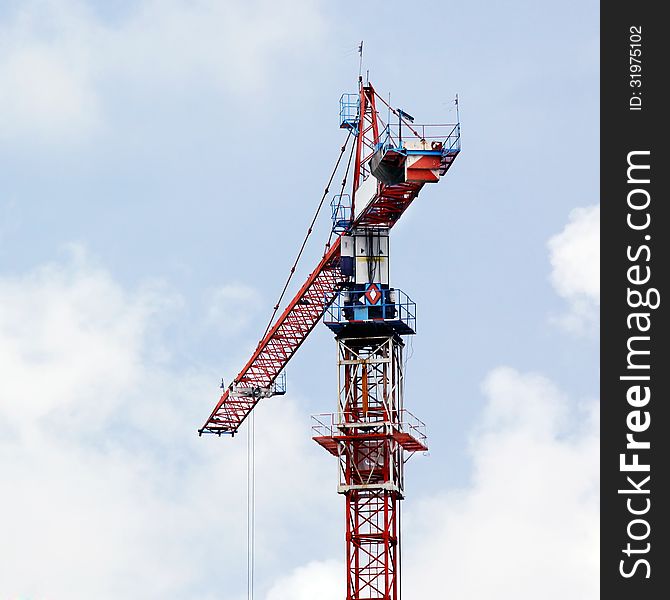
(159, 165)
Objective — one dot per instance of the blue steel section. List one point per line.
(456, 137)
(349, 109)
(394, 309)
(386, 140)
(340, 207)
(423, 152)
(452, 144)
(279, 384)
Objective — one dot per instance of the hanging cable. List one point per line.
(399, 549)
(309, 232)
(251, 504)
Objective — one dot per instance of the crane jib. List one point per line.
(278, 346)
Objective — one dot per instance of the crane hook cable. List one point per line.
(251, 505)
(309, 232)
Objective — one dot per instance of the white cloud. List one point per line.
(528, 524)
(9, 219)
(575, 261)
(110, 494)
(318, 579)
(43, 97)
(107, 490)
(47, 91)
(530, 515)
(59, 61)
(67, 334)
(231, 308)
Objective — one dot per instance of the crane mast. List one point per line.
(371, 433)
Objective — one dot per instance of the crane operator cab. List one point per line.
(367, 299)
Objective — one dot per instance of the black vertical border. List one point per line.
(622, 131)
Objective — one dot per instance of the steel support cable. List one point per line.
(251, 505)
(309, 232)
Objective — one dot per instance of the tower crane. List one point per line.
(371, 433)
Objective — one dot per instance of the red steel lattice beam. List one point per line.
(278, 346)
(372, 544)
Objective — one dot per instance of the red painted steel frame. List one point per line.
(372, 545)
(371, 462)
(278, 346)
(391, 200)
(368, 133)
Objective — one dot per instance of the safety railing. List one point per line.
(339, 424)
(449, 134)
(383, 305)
(414, 426)
(340, 207)
(323, 425)
(349, 109)
(279, 384)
